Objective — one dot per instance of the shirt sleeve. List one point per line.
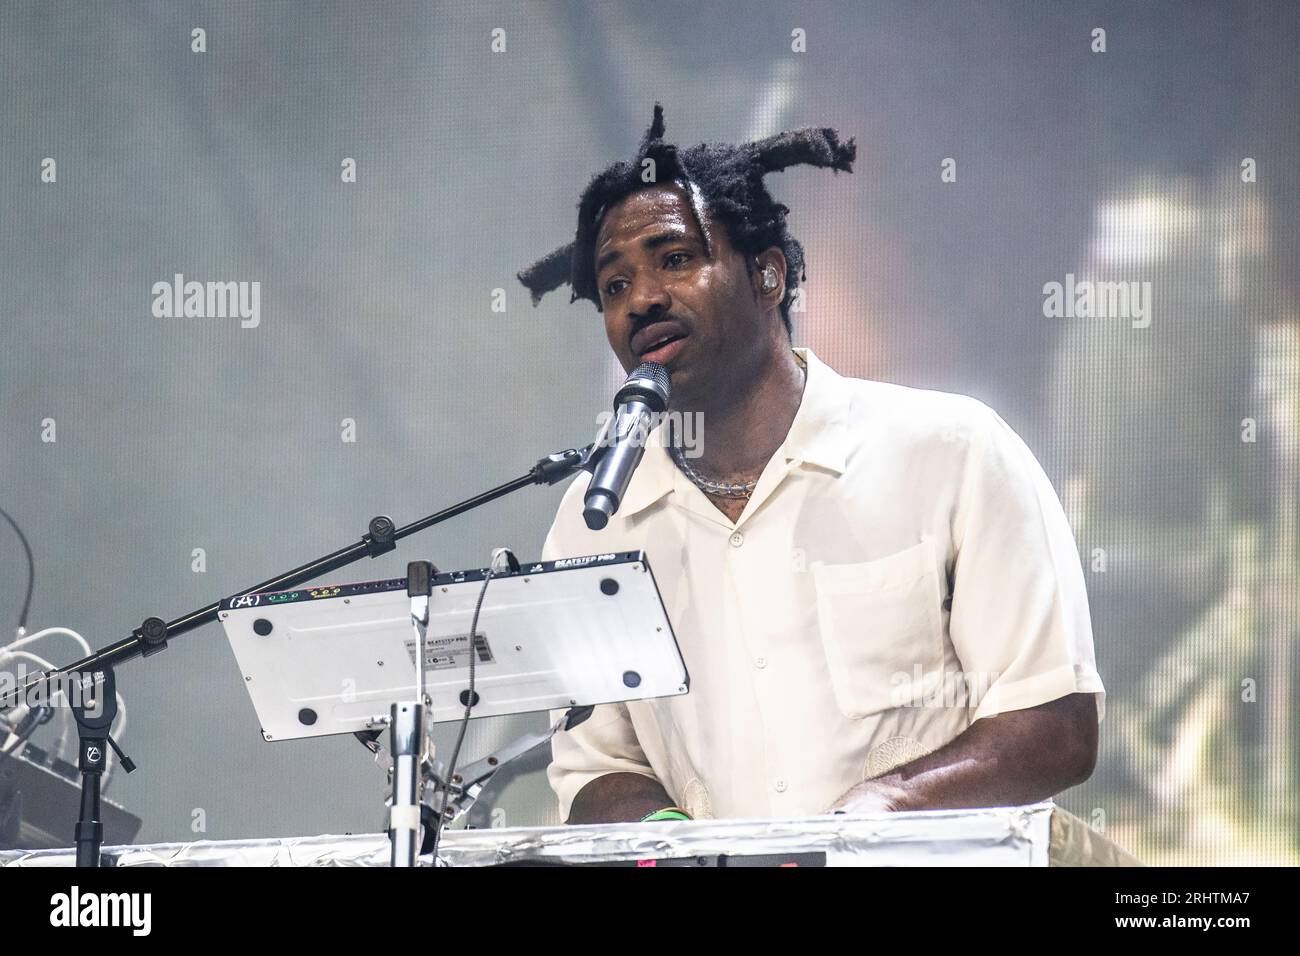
(1019, 619)
(603, 743)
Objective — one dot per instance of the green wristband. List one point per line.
(668, 813)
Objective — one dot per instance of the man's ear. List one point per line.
(774, 259)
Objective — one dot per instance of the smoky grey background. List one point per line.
(183, 433)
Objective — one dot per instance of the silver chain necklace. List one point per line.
(725, 489)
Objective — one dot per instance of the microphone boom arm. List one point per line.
(380, 538)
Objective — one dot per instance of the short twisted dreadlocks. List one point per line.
(725, 179)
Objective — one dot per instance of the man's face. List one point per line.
(655, 281)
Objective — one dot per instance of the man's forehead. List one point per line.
(665, 205)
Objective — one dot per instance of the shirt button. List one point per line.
(779, 785)
(760, 662)
(737, 539)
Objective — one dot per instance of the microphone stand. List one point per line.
(95, 708)
(381, 537)
(406, 725)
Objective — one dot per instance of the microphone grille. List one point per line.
(651, 382)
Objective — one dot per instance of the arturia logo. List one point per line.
(134, 910)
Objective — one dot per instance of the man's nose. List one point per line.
(648, 299)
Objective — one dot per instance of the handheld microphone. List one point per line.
(643, 395)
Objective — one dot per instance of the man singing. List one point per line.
(874, 588)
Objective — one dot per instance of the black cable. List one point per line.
(464, 721)
(31, 568)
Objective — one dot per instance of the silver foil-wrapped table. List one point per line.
(1036, 835)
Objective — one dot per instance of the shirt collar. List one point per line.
(817, 437)
(818, 433)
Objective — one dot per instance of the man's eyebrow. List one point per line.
(649, 242)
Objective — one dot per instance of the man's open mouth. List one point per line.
(657, 339)
(665, 350)
(662, 341)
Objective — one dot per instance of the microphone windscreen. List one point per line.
(649, 382)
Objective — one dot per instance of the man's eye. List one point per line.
(673, 255)
(609, 288)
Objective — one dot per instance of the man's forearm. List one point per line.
(618, 798)
(1014, 758)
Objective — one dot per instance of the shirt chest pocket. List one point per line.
(882, 629)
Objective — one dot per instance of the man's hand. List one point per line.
(1014, 758)
(870, 796)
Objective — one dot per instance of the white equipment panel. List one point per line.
(331, 660)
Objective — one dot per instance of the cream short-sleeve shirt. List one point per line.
(902, 569)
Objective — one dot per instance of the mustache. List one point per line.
(638, 325)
